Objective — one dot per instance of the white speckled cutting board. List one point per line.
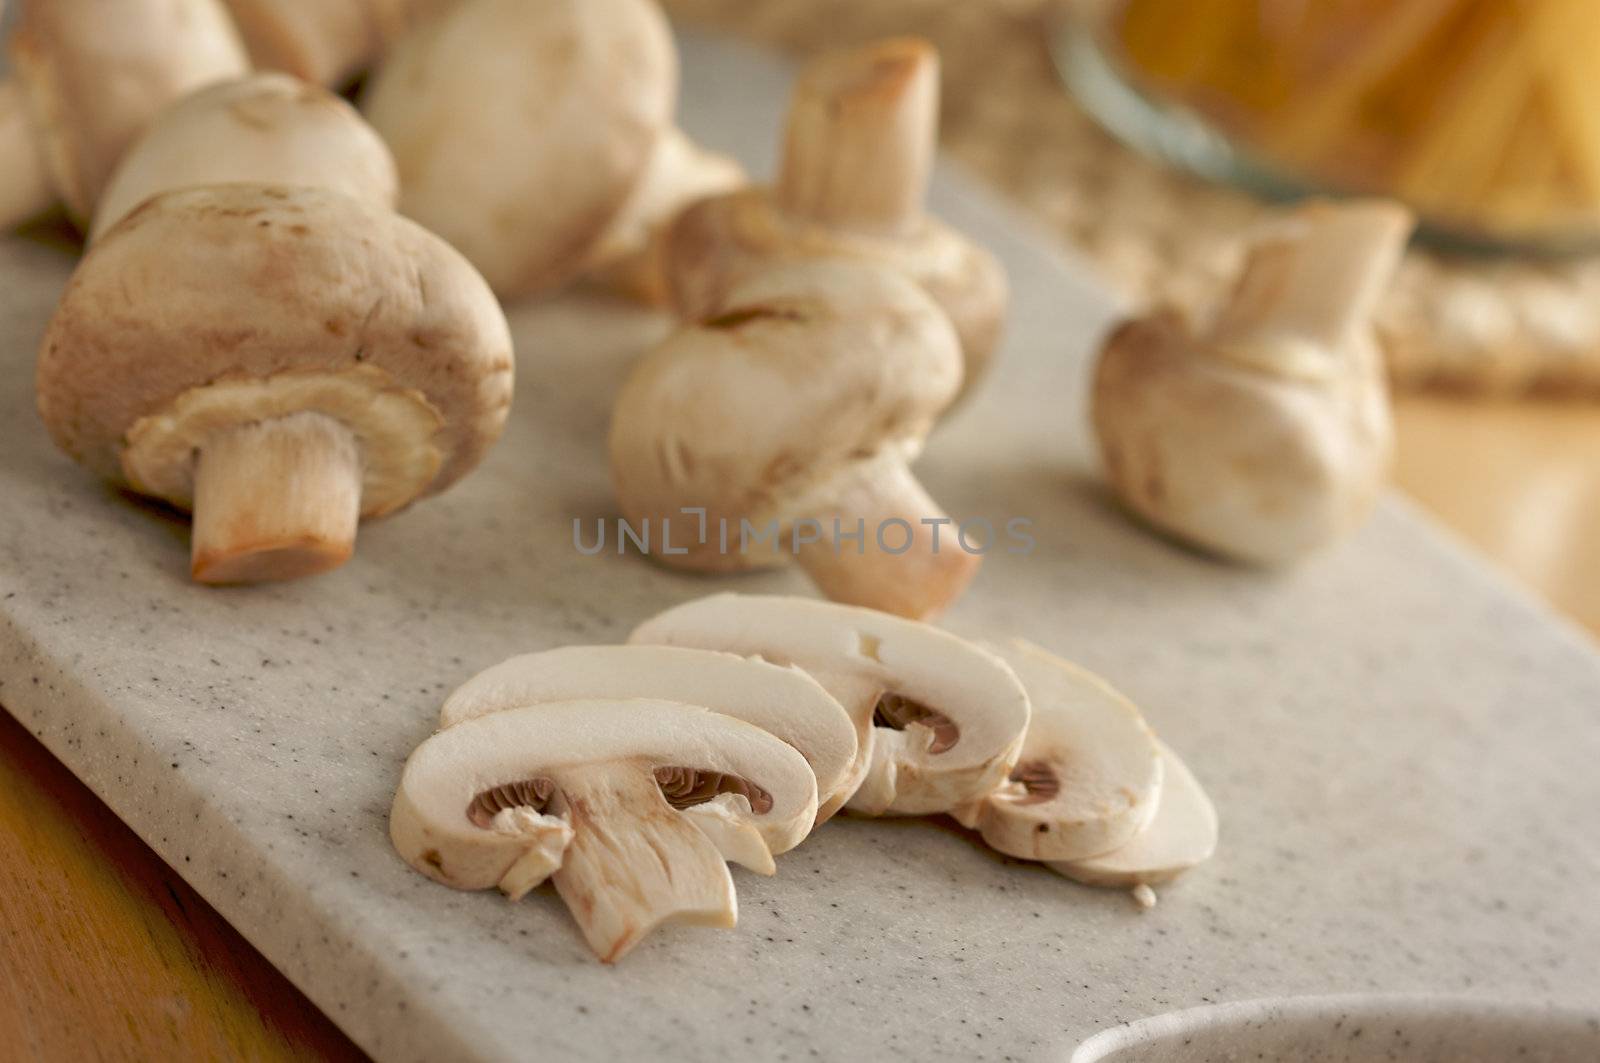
(1405, 753)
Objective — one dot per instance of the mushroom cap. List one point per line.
(784, 701)
(209, 307)
(521, 129)
(717, 242)
(1223, 452)
(1181, 835)
(1089, 778)
(812, 369)
(324, 41)
(96, 74)
(446, 773)
(859, 655)
(261, 129)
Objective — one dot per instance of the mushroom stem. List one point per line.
(908, 558)
(634, 862)
(24, 182)
(276, 500)
(1318, 283)
(861, 134)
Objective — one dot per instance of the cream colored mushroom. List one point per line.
(262, 129)
(862, 135)
(595, 795)
(281, 361)
(538, 138)
(784, 701)
(941, 719)
(789, 419)
(1181, 835)
(1268, 435)
(87, 78)
(327, 42)
(1090, 775)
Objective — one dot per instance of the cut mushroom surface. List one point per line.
(601, 796)
(538, 138)
(941, 720)
(1181, 835)
(788, 421)
(1089, 778)
(87, 78)
(1267, 436)
(281, 360)
(784, 701)
(265, 129)
(858, 150)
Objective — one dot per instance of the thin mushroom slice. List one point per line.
(939, 720)
(475, 805)
(1090, 774)
(1182, 835)
(784, 701)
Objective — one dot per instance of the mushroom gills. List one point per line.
(518, 809)
(634, 862)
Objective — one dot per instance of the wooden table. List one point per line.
(109, 954)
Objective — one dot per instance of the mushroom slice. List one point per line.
(784, 701)
(939, 720)
(1183, 834)
(1089, 778)
(482, 804)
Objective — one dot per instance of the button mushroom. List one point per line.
(862, 134)
(87, 78)
(789, 419)
(325, 41)
(593, 794)
(783, 701)
(262, 129)
(1089, 778)
(941, 720)
(1182, 835)
(538, 137)
(1268, 435)
(279, 360)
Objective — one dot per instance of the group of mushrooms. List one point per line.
(287, 317)
(729, 727)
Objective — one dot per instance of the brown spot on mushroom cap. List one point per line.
(96, 74)
(190, 290)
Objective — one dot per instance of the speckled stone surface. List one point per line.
(1403, 750)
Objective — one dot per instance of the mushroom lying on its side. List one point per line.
(538, 138)
(942, 721)
(264, 129)
(594, 794)
(1268, 435)
(281, 361)
(862, 134)
(1089, 777)
(87, 78)
(783, 701)
(789, 418)
(327, 42)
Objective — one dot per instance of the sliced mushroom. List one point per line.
(1268, 435)
(784, 701)
(87, 78)
(942, 720)
(789, 419)
(281, 361)
(537, 137)
(262, 129)
(862, 134)
(327, 42)
(1089, 778)
(477, 801)
(1181, 835)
